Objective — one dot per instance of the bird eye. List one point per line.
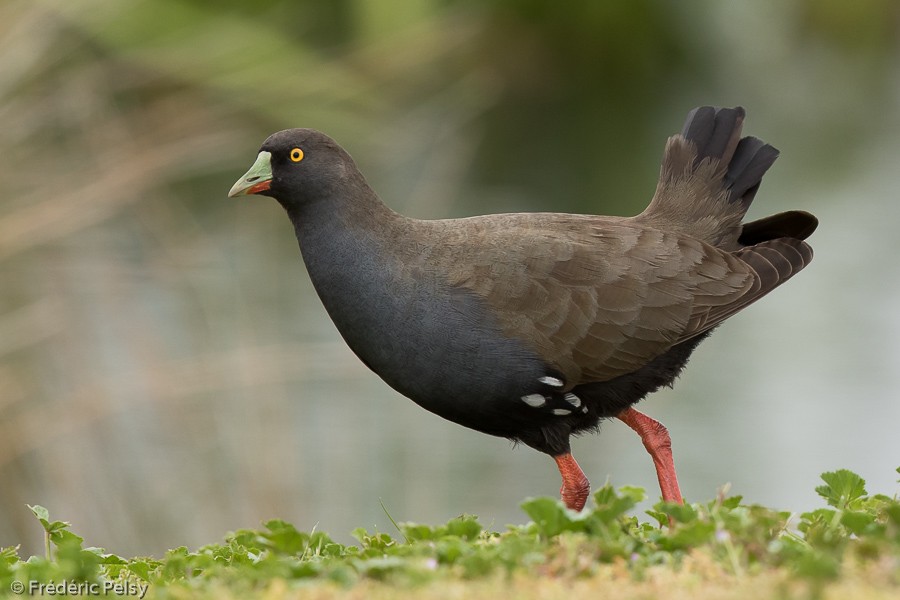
(296, 155)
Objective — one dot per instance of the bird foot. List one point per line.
(575, 486)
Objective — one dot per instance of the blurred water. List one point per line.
(167, 373)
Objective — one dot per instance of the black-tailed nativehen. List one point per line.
(537, 326)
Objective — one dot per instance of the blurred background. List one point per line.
(167, 373)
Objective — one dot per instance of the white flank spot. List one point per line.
(562, 411)
(535, 400)
(584, 409)
(573, 400)
(551, 381)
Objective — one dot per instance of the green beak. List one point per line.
(257, 179)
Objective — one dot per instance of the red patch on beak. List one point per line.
(260, 187)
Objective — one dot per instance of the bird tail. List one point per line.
(709, 177)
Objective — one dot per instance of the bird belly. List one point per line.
(439, 345)
(442, 352)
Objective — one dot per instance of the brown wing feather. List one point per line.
(772, 263)
(596, 297)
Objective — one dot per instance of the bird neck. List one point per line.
(353, 206)
(353, 248)
(348, 239)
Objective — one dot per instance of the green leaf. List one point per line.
(449, 550)
(464, 526)
(842, 488)
(40, 512)
(612, 504)
(732, 502)
(857, 522)
(549, 515)
(417, 532)
(633, 493)
(893, 514)
(9, 555)
(57, 530)
(690, 535)
(661, 517)
(359, 534)
(606, 494)
(62, 536)
(283, 537)
(682, 513)
(140, 568)
(56, 527)
(377, 542)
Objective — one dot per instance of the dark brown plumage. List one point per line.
(536, 326)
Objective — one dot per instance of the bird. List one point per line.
(538, 326)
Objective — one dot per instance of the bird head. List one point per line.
(296, 166)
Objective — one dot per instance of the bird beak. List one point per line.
(257, 179)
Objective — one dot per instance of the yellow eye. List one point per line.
(296, 155)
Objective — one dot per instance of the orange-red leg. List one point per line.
(658, 443)
(575, 486)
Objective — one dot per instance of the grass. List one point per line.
(849, 548)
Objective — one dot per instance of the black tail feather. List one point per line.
(714, 131)
(708, 178)
(751, 160)
(797, 224)
(716, 134)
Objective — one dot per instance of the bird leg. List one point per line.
(658, 443)
(575, 486)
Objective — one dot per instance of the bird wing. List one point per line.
(771, 263)
(600, 297)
